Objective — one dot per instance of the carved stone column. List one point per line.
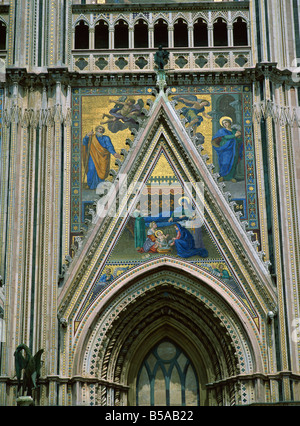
(91, 38)
(171, 35)
(230, 35)
(210, 29)
(151, 36)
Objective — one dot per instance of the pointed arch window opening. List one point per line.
(82, 35)
(240, 33)
(3, 36)
(101, 35)
(181, 37)
(121, 35)
(141, 38)
(220, 33)
(161, 36)
(167, 377)
(200, 33)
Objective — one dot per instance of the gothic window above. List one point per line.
(161, 33)
(101, 35)
(141, 34)
(180, 33)
(121, 35)
(82, 36)
(220, 33)
(200, 33)
(240, 34)
(2, 36)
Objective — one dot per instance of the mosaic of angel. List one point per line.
(123, 115)
(194, 110)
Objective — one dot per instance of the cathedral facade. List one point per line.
(150, 202)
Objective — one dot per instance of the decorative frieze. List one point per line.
(192, 61)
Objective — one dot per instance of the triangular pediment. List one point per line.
(165, 155)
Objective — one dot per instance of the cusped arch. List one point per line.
(101, 18)
(219, 15)
(154, 302)
(4, 21)
(204, 20)
(121, 17)
(141, 18)
(202, 16)
(178, 16)
(161, 17)
(241, 17)
(240, 14)
(80, 19)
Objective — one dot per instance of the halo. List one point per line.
(184, 198)
(158, 232)
(225, 118)
(100, 125)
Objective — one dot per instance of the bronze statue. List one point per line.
(161, 57)
(31, 366)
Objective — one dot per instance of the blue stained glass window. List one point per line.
(167, 377)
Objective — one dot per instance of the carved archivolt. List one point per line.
(164, 304)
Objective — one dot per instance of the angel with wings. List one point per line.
(123, 115)
(194, 110)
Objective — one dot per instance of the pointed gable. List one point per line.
(165, 163)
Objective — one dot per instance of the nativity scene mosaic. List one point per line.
(166, 220)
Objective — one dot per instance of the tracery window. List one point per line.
(167, 377)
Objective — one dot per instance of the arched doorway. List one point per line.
(172, 307)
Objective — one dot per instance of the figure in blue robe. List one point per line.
(185, 244)
(228, 145)
(106, 278)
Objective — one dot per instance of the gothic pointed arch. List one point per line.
(80, 18)
(101, 34)
(149, 217)
(81, 35)
(167, 304)
(161, 36)
(121, 33)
